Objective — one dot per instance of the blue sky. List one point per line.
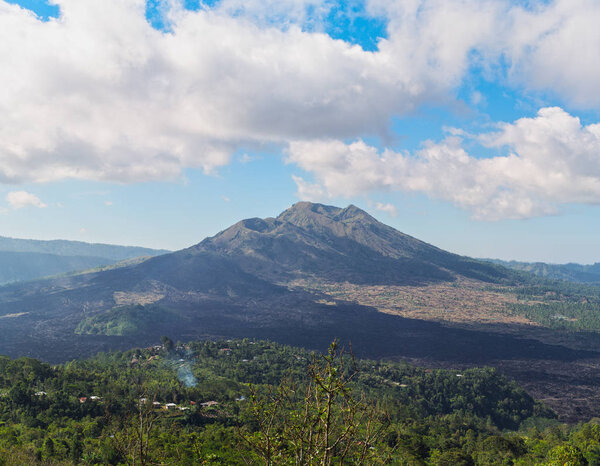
(469, 124)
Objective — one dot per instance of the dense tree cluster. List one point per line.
(557, 304)
(256, 402)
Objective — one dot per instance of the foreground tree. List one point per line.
(132, 439)
(320, 421)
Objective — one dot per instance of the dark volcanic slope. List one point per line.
(237, 280)
(234, 285)
(313, 240)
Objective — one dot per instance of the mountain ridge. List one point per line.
(76, 248)
(255, 278)
(25, 266)
(26, 259)
(340, 244)
(571, 272)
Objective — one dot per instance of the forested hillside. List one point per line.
(241, 401)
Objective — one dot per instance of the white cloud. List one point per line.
(557, 48)
(551, 46)
(389, 209)
(20, 199)
(307, 191)
(108, 203)
(553, 160)
(99, 94)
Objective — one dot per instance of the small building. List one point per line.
(83, 399)
(40, 393)
(95, 398)
(170, 406)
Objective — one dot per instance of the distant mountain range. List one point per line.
(571, 272)
(25, 259)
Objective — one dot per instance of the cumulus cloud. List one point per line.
(556, 47)
(552, 160)
(99, 94)
(546, 46)
(20, 199)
